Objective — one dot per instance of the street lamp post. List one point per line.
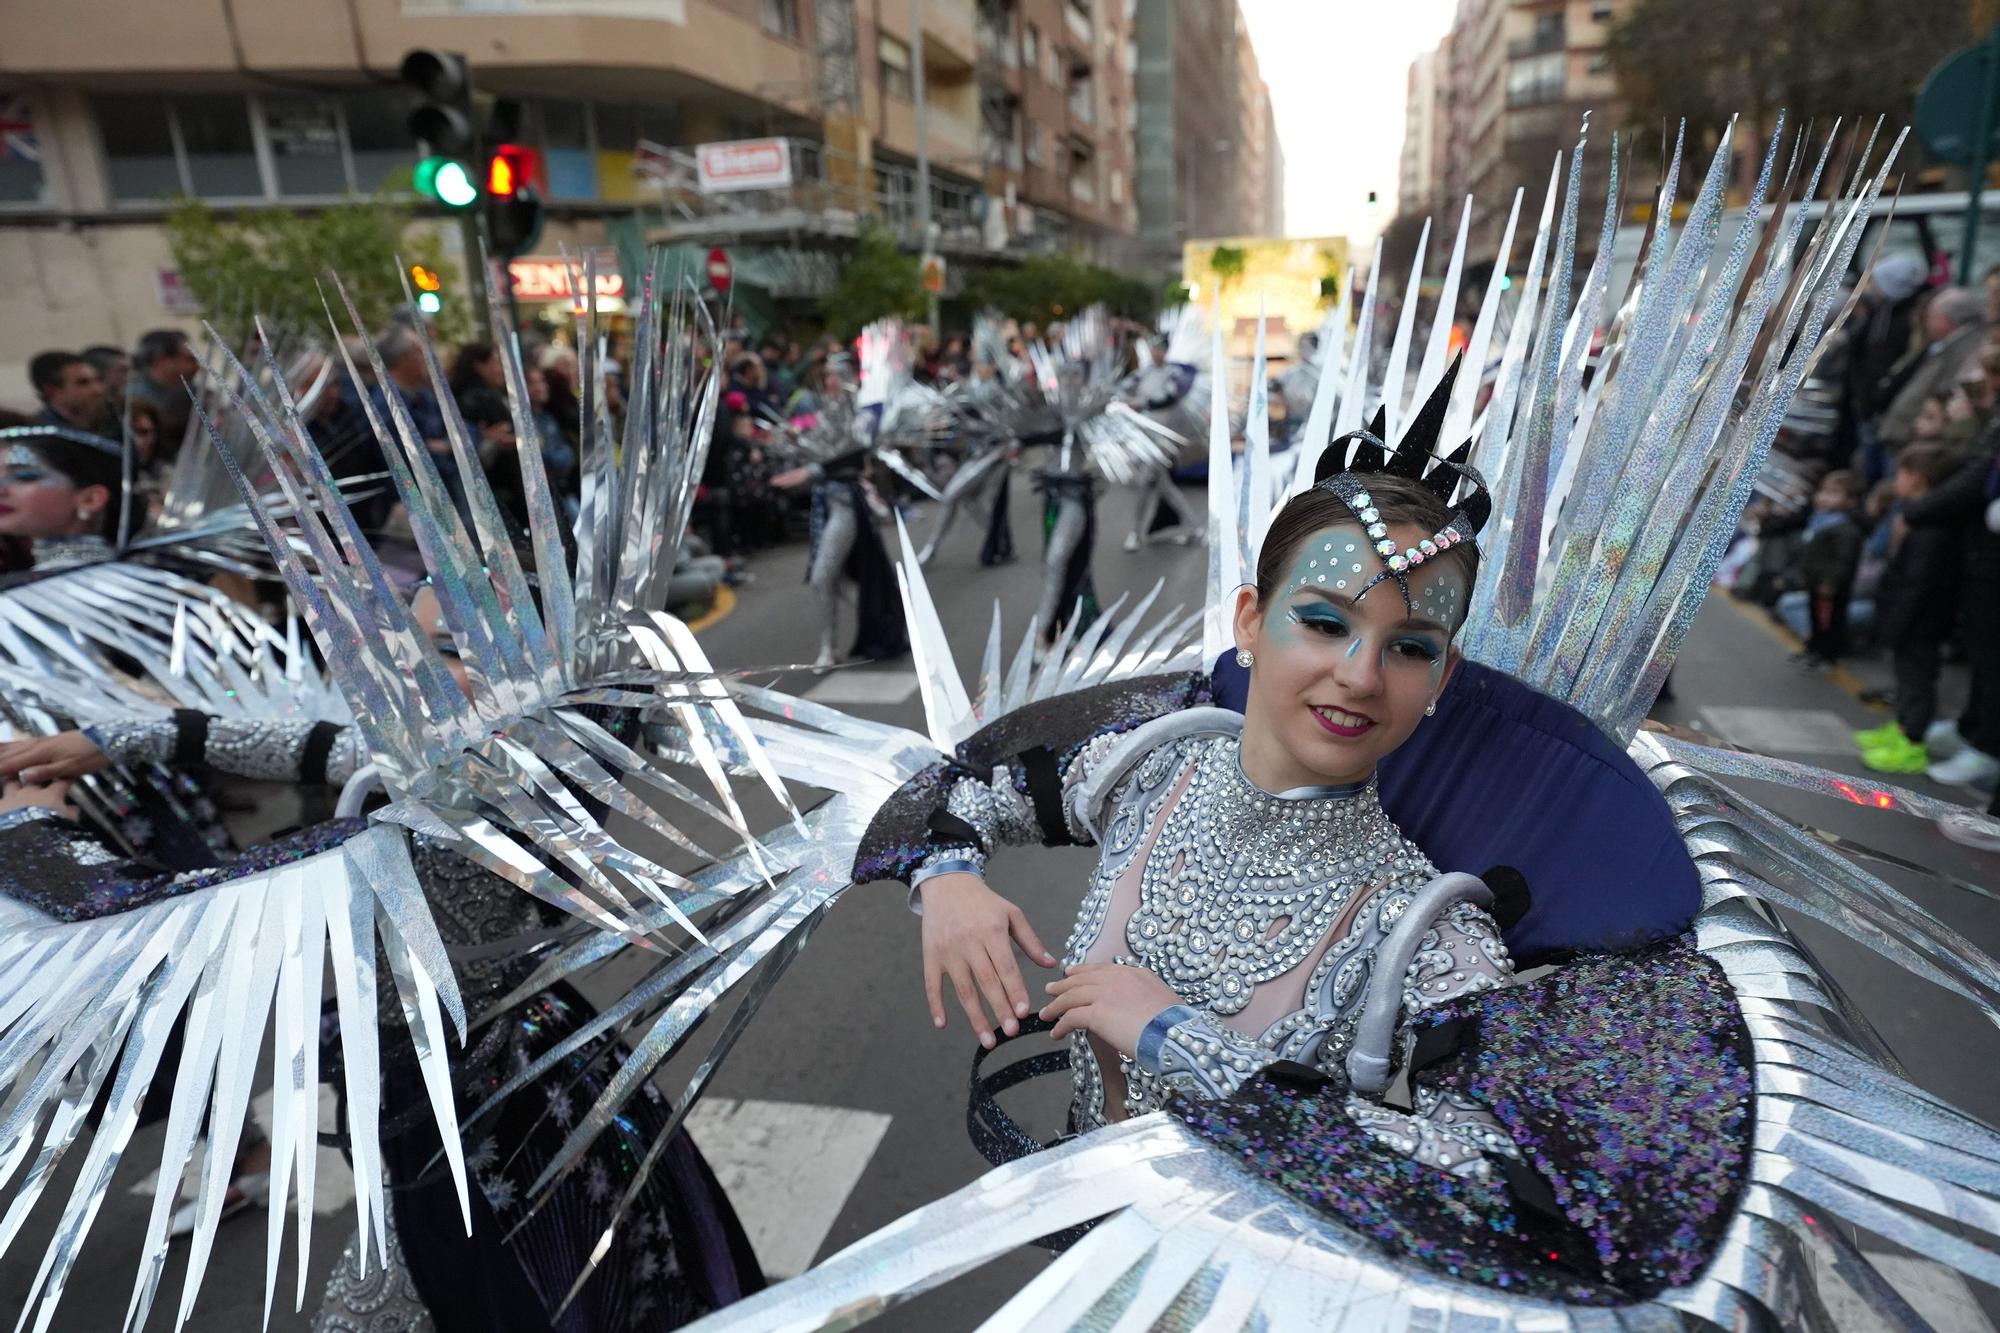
(923, 142)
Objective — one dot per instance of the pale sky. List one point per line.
(1338, 72)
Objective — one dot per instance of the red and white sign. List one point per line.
(555, 278)
(720, 272)
(744, 164)
(175, 298)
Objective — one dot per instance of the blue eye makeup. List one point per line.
(23, 476)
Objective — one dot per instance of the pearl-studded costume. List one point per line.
(1264, 912)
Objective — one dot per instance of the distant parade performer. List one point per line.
(1172, 389)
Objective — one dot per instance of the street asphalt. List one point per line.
(848, 1085)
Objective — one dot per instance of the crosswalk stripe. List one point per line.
(787, 1167)
(865, 687)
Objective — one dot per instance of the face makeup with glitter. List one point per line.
(35, 500)
(1343, 678)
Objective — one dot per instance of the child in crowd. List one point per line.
(1915, 608)
(1826, 569)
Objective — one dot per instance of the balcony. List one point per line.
(1540, 93)
(831, 197)
(1082, 105)
(1542, 42)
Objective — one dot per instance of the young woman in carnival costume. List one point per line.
(856, 426)
(503, 741)
(1674, 1128)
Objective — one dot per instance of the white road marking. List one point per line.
(1782, 730)
(788, 1168)
(864, 687)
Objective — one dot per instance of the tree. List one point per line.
(1226, 262)
(880, 281)
(1815, 60)
(1049, 287)
(270, 263)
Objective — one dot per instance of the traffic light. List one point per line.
(430, 288)
(513, 207)
(443, 121)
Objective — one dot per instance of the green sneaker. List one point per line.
(1901, 755)
(1882, 735)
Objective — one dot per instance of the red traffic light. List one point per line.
(511, 169)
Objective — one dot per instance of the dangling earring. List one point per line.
(1430, 709)
(1244, 658)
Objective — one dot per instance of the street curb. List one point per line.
(725, 602)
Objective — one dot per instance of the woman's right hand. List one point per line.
(23, 796)
(41, 759)
(970, 933)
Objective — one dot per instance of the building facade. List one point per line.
(1510, 88)
(119, 109)
(1209, 163)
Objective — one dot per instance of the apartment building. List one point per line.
(1209, 163)
(1510, 88)
(120, 108)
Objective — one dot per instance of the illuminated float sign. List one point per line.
(554, 278)
(743, 164)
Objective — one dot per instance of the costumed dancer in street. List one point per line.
(858, 425)
(1681, 1123)
(1095, 436)
(1171, 388)
(501, 741)
(992, 413)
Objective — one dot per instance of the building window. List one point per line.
(1603, 13)
(895, 56)
(304, 135)
(568, 163)
(1031, 48)
(1057, 72)
(221, 150)
(139, 150)
(1536, 80)
(1600, 62)
(269, 146)
(780, 18)
(21, 178)
(1118, 187)
(378, 141)
(1034, 133)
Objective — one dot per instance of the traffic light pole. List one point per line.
(471, 237)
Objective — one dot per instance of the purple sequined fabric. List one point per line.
(1289, 1126)
(64, 870)
(1625, 1080)
(900, 837)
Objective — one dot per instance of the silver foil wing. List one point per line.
(1841, 1135)
(86, 1009)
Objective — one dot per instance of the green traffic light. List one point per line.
(429, 302)
(447, 180)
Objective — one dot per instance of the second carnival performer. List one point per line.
(1072, 394)
(855, 427)
(182, 972)
(1170, 388)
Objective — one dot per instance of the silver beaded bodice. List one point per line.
(1241, 886)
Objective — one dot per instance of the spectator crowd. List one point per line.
(770, 381)
(1878, 527)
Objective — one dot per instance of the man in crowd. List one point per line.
(114, 368)
(1954, 329)
(72, 395)
(166, 365)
